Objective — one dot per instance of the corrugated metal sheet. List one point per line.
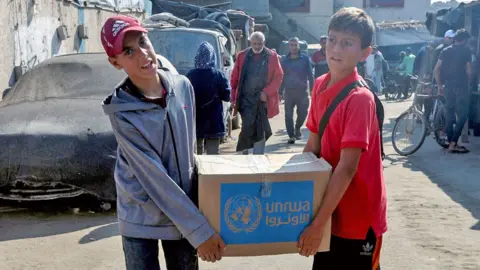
(114, 4)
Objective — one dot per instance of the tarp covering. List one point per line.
(189, 12)
(402, 33)
(114, 4)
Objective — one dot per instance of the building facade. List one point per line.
(390, 10)
(311, 15)
(29, 33)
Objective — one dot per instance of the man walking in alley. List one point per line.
(298, 79)
(453, 70)
(319, 58)
(256, 79)
(406, 70)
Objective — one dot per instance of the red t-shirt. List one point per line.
(353, 124)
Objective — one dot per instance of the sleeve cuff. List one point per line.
(312, 129)
(200, 235)
(361, 145)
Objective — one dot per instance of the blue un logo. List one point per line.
(242, 213)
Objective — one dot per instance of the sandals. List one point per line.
(459, 150)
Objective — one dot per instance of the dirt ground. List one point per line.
(433, 214)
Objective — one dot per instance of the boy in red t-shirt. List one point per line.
(351, 143)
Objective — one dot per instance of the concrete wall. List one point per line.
(412, 10)
(315, 21)
(28, 32)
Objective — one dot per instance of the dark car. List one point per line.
(56, 141)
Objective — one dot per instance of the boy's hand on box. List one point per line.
(212, 250)
(310, 240)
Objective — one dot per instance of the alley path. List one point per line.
(433, 212)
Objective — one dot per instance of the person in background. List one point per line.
(402, 55)
(406, 70)
(362, 68)
(377, 68)
(256, 79)
(423, 61)
(279, 59)
(319, 58)
(355, 198)
(425, 88)
(422, 68)
(152, 116)
(373, 60)
(211, 89)
(447, 41)
(472, 46)
(453, 74)
(297, 81)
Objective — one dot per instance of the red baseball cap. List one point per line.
(114, 30)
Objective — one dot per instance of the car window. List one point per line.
(180, 47)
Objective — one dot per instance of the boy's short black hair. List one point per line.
(461, 35)
(354, 21)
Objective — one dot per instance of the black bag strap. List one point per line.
(380, 117)
(338, 99)
(328, 113)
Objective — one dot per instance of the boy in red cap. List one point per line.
(152, 116)
(350, 141)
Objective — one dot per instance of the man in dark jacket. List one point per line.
(211, 89)
(256, 78)
(297, 80)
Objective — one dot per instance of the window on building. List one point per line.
(387, 3)
(292, 5)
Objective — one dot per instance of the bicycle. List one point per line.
(435, 122)
(396, 82)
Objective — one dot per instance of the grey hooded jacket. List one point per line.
(155, 163)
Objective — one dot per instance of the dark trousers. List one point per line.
(300, 100)
(209, 146)
(406, 85)
(457, 104)
(142, 254)
(347, 254)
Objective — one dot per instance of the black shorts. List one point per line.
(347, 254)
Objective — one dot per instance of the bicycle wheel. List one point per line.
(439, 121)
(414, 125)
(390, 91)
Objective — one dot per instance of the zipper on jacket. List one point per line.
(175, 149)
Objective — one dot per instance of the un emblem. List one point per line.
(242, 213)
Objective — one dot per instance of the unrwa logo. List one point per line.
(242, 213)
